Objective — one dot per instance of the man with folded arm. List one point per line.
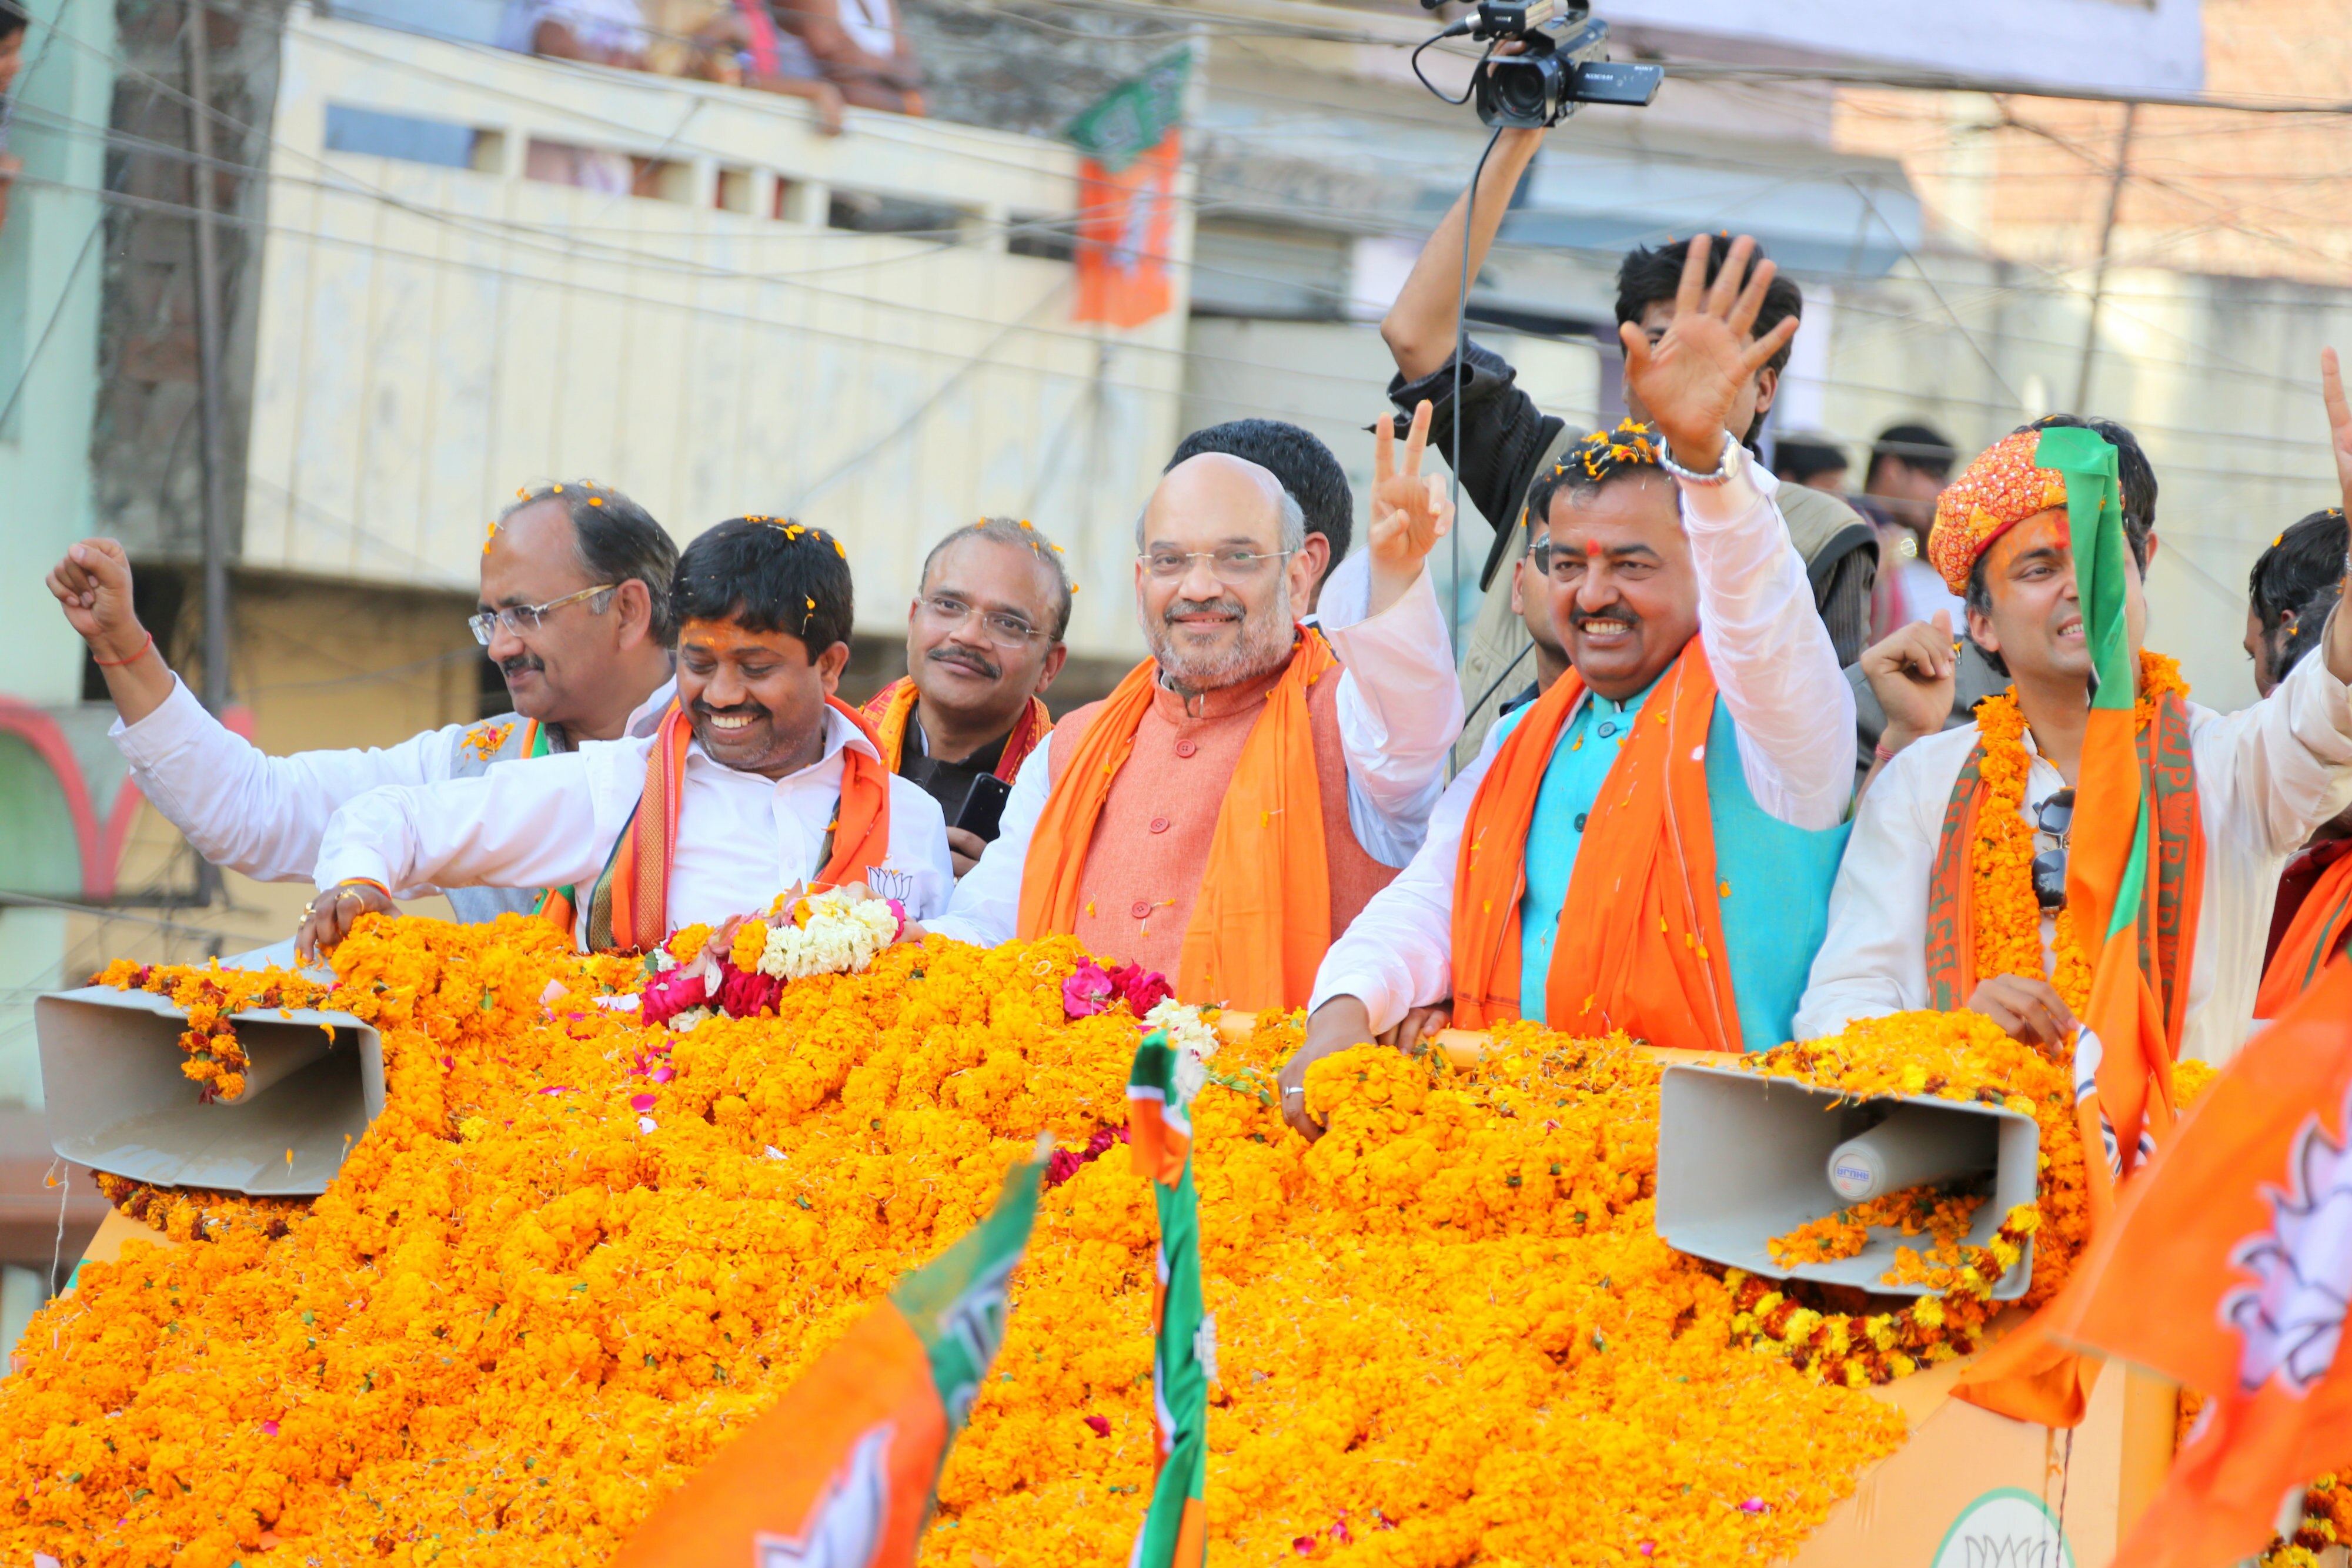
(757, 780)
(1649, 846)
(1232, 805)
(574, 611)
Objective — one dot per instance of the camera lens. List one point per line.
(1520, 91)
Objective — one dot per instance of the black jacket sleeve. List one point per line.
(1504, 436)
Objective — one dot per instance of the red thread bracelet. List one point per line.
(117, 664)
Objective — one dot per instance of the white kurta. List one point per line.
(1778, 674)
(553, 821)
(2266, 776)
(1400, 711)
(263, 816)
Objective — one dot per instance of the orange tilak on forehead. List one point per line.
(2043, 530)
(729, 639)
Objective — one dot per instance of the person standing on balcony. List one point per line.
(737, 43)
(862, 47)
(575, 612)
(1240, 796)
(983, 642)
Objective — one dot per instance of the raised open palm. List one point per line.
(1692, 376)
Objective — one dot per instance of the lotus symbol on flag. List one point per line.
(845, 1528)
(2292, 1316)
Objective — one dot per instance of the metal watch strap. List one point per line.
(1724, 469)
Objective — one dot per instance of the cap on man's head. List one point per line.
(1305, 467)
(1999, 490)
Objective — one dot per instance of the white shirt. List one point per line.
(552, 822)
(263, 816)
(2266, 776)
(612, 27)
(1400, 710)
(1777, 672)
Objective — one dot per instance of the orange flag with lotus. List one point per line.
(2228, 1267)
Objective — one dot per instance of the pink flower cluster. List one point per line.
(738, 994)
(1064, 1164)
(1092, 989)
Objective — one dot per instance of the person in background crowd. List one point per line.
(737, 43)
(758, 779)
(574, 611)
(863, 49)
(1310, 471)
(595, 32)
(1507, 441)
(14, 24)
(2295, 587)
(1650, 846)
(1236, 800)
(1531, 602)
(2235, 793)
(1909, 465)
(1810, 460)
(983, 642)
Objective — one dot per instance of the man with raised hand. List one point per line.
(758, 779)
(983, 642)
(1232, 805)
(1924, 917)
(574, 611)
(1649, 846)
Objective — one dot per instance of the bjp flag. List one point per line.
(839, 1473)
(2228, 1267)
(1160, 1089)
(1125, 223)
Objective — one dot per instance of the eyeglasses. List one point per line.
(1230, 567)
(2055, 819)
(1002, 630)
(520, 619)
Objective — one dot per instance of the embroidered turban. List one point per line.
(1999, 490)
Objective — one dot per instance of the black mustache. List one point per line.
(951, 653)
(520, 664)
(740, 710)
(1578, 615)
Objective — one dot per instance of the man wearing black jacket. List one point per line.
(1507, 440)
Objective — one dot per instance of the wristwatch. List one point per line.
(1733, 452)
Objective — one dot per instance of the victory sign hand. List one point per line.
(1690, 378)
(1410, 511)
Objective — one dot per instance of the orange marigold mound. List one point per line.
(546, 1286)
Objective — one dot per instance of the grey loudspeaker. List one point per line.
(1743, 1159)
(119, 1103)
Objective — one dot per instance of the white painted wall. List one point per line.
(432, 337)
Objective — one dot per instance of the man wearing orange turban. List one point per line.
(1955, 887)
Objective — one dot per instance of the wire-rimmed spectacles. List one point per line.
(1003, 629)
(522, 619)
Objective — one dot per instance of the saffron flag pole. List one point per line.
(2227, 1269)
(840, 1472)
(1170, 1067)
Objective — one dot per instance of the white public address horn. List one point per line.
(119, 1103)
(1743, 1159)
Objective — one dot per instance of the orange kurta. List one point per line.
(1143, 865)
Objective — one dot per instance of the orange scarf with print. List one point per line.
(1262, 921)
(2319, 932)
(888, 711)
(628, 909)
(1641, 937)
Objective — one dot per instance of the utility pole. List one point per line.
(211, 415)
(2099, 269)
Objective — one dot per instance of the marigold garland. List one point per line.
(1845, 1232)
(576, 1252)
(208, 995)
(2008, 916)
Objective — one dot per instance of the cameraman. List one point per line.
(1507, 440)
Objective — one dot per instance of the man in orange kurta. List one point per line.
(1243, 793)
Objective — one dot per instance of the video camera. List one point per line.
(1563, 62)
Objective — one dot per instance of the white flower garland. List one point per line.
(843, 934)
(1195, 1039)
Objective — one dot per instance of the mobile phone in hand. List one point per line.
(983, 807)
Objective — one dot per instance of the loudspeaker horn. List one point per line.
(119, 1103)
(1743, 1159)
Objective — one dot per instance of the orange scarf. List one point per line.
(2322, 924)
(1640, 936)
(1262, 921)
(887, 712)
(628, 909)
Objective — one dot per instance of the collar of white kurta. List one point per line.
(646, 717)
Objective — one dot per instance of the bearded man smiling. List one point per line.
(758, 779)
